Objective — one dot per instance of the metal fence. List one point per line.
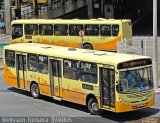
(141, 45)
(145, 43)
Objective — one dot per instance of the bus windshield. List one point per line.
(136, 80)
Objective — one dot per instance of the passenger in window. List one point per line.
(93, 78)
(16, 31)
(95, 31)
(27, 30)
(45, 69)
(66, 65)
(85, 77)
(85, 66)
(75, 71)
(115, 31)
(32, 67)
(48, 30)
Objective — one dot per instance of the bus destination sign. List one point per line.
(134, 63)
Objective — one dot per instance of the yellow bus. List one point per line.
(100, 80)
(97, 34)
(42, 1)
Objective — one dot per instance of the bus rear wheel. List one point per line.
(87, 46)
(35, 92)
(92, 106)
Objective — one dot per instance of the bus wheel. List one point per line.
(93, 106)
(87, 46)
(35, 92)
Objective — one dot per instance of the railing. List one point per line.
(141, 45)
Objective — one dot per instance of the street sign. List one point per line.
(81, 33)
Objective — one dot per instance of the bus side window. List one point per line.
(45, 29)
(74, 29)
(71, 69)
(115, 30)
(43, 64)
(10, 58)
(88, 72)
(105, 30)
(67, 69)
(31, 29)
(32, 62)
(92, 30)
(17, 31)
(60, 30)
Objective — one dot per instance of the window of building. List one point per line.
(60, 30)
(32, 62)
(43, 64)
(45, 29)
(92, 30)
(31, 29)
(10, 58)
(17, 31)
(74, 29)
(115, 30)
(71, 69)
(88, 72)
(105, 30)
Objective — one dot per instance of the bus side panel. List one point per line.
(108, 44)
(72, 91)
(68, 41)
(44, 85)
(73, 96)
(10, 76)
(127, 32)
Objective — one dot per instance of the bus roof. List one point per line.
(70, 21)
(74, 53)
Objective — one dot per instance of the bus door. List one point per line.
(107, 88)
(55, 78)
(21, 71)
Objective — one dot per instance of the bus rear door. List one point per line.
(55, 78)
(107, 88)
(21, 70)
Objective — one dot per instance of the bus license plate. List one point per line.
(140, 105)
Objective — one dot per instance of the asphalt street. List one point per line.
(19, 103)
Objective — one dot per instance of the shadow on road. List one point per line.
(130, 116)
(118, 117)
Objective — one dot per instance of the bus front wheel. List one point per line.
(93, 106)
(87, 46)
(35, 92)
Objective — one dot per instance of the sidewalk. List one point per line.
(4, 39)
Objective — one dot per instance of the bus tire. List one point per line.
(87, 46)
(92, 106)
(35, 92)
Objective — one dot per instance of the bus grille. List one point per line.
(138, 95)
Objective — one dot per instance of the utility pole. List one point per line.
(18, 9)
(102, 8)
(8, 16)
(155, 51)
(35, 5)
